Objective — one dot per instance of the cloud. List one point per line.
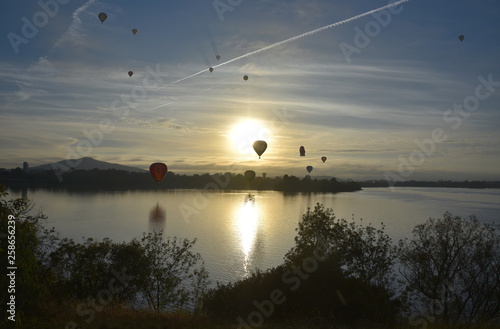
(75, 33)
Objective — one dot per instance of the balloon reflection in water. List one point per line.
(157, 216)
(247, 222)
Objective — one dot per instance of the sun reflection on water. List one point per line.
(247, 221)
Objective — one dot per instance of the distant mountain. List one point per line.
(86, 163)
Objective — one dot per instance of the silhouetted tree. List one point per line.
(171, 267)
(361, 252)
(24, 248)
(452, 270)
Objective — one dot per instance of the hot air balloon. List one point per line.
(218, 57)
(461, 37)
(309, 169)
(323, 159)
(102, 17)
(259, 147)
(249, 175)
(211, 69)
(158, 170)
(245, 77)
(130, 73)
(134, 31)
(302, 151)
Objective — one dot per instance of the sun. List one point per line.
(245, 132)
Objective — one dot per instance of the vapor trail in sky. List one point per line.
(311, 33)
(306, 34)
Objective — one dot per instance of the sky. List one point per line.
(389, 95)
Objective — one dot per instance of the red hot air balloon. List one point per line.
(158, 170)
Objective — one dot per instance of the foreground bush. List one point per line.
(452, 271)
(337, 272)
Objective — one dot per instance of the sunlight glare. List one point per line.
(247, 220)
(245, 133)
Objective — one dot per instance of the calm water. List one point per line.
(234, 234)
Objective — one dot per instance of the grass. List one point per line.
(69, 316)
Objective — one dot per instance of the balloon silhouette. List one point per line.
(158, 170)
(461, 37)
(130, 73)
(302, 151)
(245, 77)
(134, 31)
(211, 69)
(309, 169)
(249, 175)
(323, 159)
(259, 147)
(102, 17)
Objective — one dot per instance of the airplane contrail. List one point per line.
(306, 34)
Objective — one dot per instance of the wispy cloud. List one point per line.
(75, 32)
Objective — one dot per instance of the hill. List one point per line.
(86, 163)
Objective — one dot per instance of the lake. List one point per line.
(236, 234)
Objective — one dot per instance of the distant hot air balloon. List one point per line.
(218, 57)
(158, 170)
(309, 169)
(302, 151)
(134, 31)
(245, 77)
(461, 37)
(259, 147)
(102, 17)
(130, 73)
(323, 159)
(249, 175)
(211, 69)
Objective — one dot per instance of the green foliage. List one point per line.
(361, 252)
(452, 269)
(32, 279)
(172, 269)
(82, 269)
(337, 271)
(294, 294)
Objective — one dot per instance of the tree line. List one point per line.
(113, 179)
(339, 273)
